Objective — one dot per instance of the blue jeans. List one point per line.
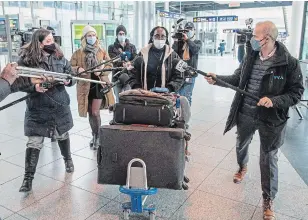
(187, 89)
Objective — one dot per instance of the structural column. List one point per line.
(296, 27)
(137, 26)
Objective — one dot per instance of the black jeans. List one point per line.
(271, 138)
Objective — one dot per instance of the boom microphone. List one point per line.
(182, 66)
(122, 80)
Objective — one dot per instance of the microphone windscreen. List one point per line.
(123, 78)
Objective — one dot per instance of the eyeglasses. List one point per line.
(158, 37)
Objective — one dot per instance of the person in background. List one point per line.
(121, 45)
(188, 49)
(270, 72)
(222, 47)
(48, 111)
(89, 98)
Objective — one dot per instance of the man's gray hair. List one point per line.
(269, 28)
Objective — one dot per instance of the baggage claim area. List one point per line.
(180, 110)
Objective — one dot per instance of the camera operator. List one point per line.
(121, 45)
(270, 72)
(188, 49)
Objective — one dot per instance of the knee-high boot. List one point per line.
(65, 149)
(32, 156)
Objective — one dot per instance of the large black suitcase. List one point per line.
(162, 150)
(139, 114)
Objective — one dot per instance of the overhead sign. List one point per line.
(216, 18)
(168, 14)
(229, 30)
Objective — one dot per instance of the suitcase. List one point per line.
(139, 106)
(139, 114)
(162, 150)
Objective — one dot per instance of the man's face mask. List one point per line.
(121, 38)
(190, 34)
(256, 44)
(159, 44)
(91, 40)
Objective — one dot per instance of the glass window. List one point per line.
(48, 4)
(304, 46)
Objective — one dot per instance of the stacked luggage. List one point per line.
(145, 125)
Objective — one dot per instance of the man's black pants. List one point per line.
(271, 138)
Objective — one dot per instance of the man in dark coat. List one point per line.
(121, 45)
(271, 73)
(188, 49)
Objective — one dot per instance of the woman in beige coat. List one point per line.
(89, 99)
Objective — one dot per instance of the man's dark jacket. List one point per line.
(50, 110)
(282, 83)
(194, 48)
(116, 49)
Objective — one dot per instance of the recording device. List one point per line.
(183, 67)
(244, 35)
(121, 79)
(179, 30)
(26, 36)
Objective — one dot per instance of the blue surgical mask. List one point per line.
(91, 40)
(190, 34)
(256, 44)
(121, 38)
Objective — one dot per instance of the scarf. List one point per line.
(91, 58)
(186, 55)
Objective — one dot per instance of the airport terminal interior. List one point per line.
(211, 192)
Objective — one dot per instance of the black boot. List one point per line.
(66, 153)
(32, 156)
(95, 142)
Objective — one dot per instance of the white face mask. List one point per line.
(121, 38)
(159, 44)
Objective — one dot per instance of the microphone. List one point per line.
(183, 67)
(123, 78)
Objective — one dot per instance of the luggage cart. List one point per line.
(137, 187)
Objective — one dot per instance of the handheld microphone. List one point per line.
(183, 67)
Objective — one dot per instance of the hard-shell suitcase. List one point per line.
(139, 114)
(162, 150)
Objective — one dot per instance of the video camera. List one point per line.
(178, 29)
(244, 35)
(27, 35)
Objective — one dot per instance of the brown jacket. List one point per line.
(83, 88)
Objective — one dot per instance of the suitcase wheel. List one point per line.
(186, 179)
(185, 186)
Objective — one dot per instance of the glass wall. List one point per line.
(304, 41)
(61, 13)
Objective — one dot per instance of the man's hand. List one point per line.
(210, 79)
(266, 102)
(185, 36)
(9, 73)
(40, 89)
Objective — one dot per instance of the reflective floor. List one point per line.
(212, 194)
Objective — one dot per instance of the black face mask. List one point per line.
(49, 48)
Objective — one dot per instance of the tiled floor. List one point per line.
(212, 194)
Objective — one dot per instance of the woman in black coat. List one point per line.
(48, 112)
